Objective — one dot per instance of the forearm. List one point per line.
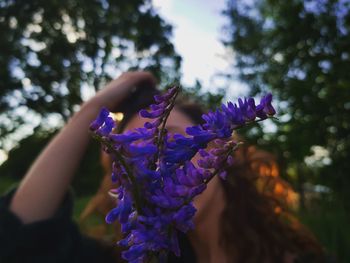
(43, 187)
(42, 190)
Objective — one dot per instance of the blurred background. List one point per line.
(56, 54)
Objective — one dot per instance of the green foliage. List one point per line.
(79, 205)
(329, 222)
(301, 53)
(6, 183)
(54, 52)
(303, 57)
(207, 99)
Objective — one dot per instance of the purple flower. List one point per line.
(265, 107)
(183, 218)
(131, 136)
(135, 253)
(121, 212)
(103, 125)
(152, 114)
(157, 180)
(107, 127)
(101, 118)
(247, 108)
(167, 96)
(189, 175)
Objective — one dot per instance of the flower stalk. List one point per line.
(156, 175)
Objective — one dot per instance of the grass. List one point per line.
(6, 183)
(79, 205)
(330, 223)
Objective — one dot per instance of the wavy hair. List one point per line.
(257, 223)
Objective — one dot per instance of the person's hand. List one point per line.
(114, 92)
(42, 191)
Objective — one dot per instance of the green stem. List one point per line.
(162, 131)
(253, 122)
(135, 188)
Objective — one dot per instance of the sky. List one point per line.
(197, 33)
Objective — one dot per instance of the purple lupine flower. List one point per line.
(101, 118)
(183, 218)
(104, 124)
(247, 108)
(107, 127)
(265, 107)
(122, 211)
(189, 175)
(152, 114)
(157, 179)
(135, 253)
(167, 96)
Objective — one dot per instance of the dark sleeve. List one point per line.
(57, 239)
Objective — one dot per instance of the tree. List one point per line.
(300, 51)
(53, 53)
(87, 178)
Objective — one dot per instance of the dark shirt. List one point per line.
(58, 239)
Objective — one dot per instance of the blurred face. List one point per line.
(212, 197)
